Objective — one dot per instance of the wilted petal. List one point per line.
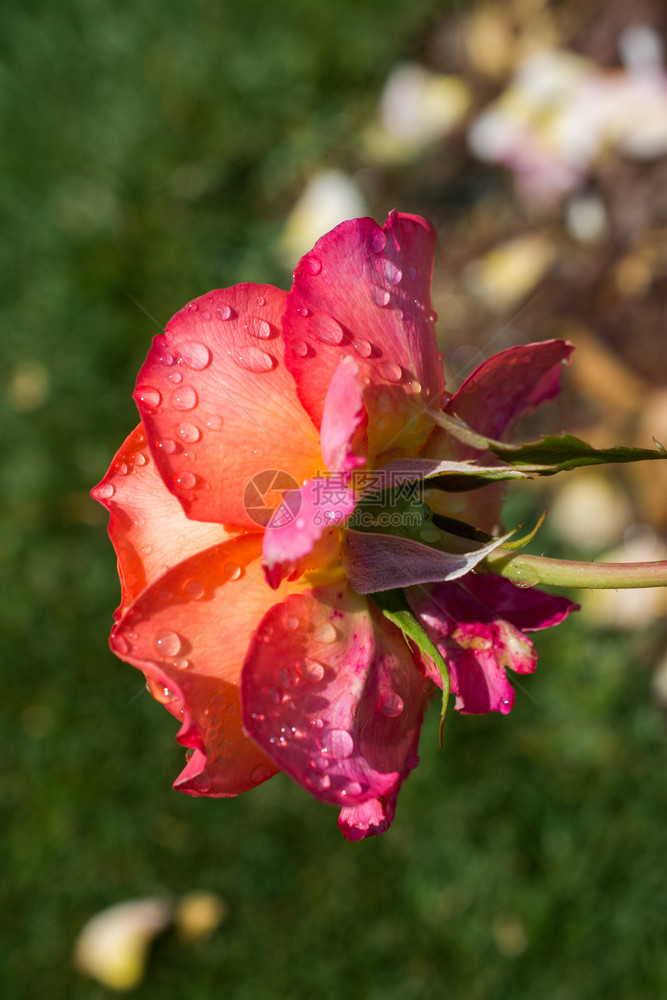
(333, 695)
(365, 291)
(528, 608)
(147, 525)
(479, 640)
(375, 562)
(220, 407)
(189, 633)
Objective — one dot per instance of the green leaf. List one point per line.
(551, 454)
(395, 607)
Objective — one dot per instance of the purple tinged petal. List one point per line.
(375, 562)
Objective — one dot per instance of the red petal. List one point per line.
(189, 633)
(147, 525)
(219, 405)
(333, 695)
(344, 431)
(510, 385)
(365, 291)
(529, 609)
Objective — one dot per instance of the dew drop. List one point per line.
(194, 354)
(147, 549)
(313, 671)
(336, 742)
(121, 468)
(257, 327)
(176, 377)
(311, 264)
(166, 358)
(321, 781)
(389, 370)
(292, 623)
(433, 316)
(380, 296)
(214, 422)
(223, 312)
(303, 311)
(376, 240)
(104, 491)
(252, 359)
(353, 788)
(184, 398)
(139, 458)
(180, 663)
(261, 301)
(300, 348)
(260, 773)
(362, 347)
(232, 571)
(430, 534)
(167, 643)
(414, 386)
(189, 433)
(327, 329)
(193, 306)
(186, 480)
(392, 273)
(391, 704)
(194, 590)
(166, 445)
(148, 396)
(326, 633)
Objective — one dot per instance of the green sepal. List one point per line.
(395, 607)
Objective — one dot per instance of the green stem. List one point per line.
(528, 571)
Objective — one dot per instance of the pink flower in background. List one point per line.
(247, 584)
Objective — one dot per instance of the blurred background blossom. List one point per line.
(158, 151)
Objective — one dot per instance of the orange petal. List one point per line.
(219, 405)
(189, 633)
(147, 526)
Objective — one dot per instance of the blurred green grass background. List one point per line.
(151, 152)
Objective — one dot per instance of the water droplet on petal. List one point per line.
(232, 571)
(300, 348)
(189, 433)
(223, 312)
(257, 327)
(389, 370)
(166, 445)
(194, 590)
(380, 296)
(104, 491)
(292, 623)
(121, 469)
(303, 311)
(148, 396)
(260, 773)
(184, 398)
(391, 704)
(176, 377)
(430, 534)
(194, 354)
(261, 301)
(321, 781)
(139, 458)
(167, 643)
(353, 788)
(121, 645)
(185, 480)
(193, 306)
(180, 663)
(313, 671)
(376, 240)
(392, 273)
(326, 633)
(214, 422)
(336, 742)
(327, 329)
(147, 549)
(165, 358)
(433, 316)
(311, 264)
(362, 347)
(252, 359)
(414, 386)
